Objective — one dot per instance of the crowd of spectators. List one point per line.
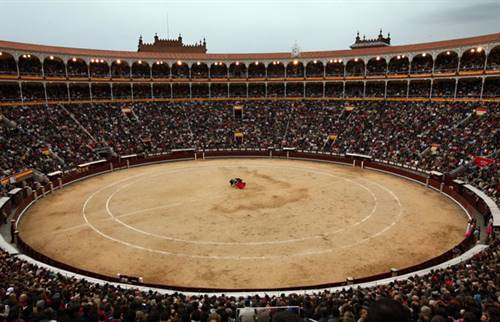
(33, 92)
(160, 70)
(7, 65)
(354, 89)
(444, 88)
(397, 89)
(421, 64)
(375, 89)
(99, 69)
(53, 67)
(398, 65)
(376, 66)
(472, 60)
(466, 292)
(334, 89)
(57, 91)
(21, 150)
(29, 66)
(79, 91)
(493, 62)
(491, 87)
(469, 88)
(43, 138)
(446, 62)
(428, 135)
(441, 88)
(77, 68)
(314, 89)
(315, 69)
(9, 92)
(487, 179)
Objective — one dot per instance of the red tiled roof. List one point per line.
(96, 53)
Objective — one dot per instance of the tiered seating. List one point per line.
(430, 136)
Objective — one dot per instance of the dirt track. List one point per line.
(297, 223)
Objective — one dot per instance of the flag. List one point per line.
(483, 162)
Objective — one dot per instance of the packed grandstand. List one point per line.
(431, 108)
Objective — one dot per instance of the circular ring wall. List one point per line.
(297, 224)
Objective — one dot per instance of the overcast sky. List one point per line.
(243, 25)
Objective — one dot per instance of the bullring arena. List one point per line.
(171, 183)
(303, 222)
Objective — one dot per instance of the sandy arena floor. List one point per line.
(297, 223)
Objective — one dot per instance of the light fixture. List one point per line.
(472, 50)
(295, 62)
(74, 59)
(118, 61)
(447, 53)
(102, 60)
(340, 60)
(315, 61)
(139, 62)
(1, 53)
(331, 61)
(424, 54)
(237, 63)
(179, 62)
(479, 49)
(198, 63)
(256, 63)
(378, 57)
(355, 59)
(399, 57)
(92, 60)
(51, 57)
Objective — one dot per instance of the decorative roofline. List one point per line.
(17, 48)
(380, 41)
(171, 46)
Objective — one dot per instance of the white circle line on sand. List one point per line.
(273, 242)
(230, 257)
(217, 257)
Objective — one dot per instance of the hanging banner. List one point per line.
(483, 162)
(481, 111)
